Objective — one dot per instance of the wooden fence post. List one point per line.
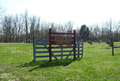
(74, 44)
(111, 39)
(112, 49)
(61, 52)
(34, 49)
(50, 44)
(82, 48)
(78, 44)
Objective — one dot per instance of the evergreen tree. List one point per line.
(84, 32)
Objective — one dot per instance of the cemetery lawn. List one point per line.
(97, 64)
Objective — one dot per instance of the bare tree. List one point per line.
(116, 31)
(60, 28)
(32, 27)
(20, 27)
(104, 33)
(1, 11)
(68, 26)
(26, 24)
(91, 34)
(37, 31)
(108, 25)
(7, 28)
(97, 32)
(1, 16)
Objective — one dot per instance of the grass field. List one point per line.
(97, 64)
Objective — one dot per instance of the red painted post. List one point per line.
(50, 44)
(74, 45)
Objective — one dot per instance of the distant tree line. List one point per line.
(105, 31)
(21, 27)
(24, 27)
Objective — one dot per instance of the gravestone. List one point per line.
(99, 41)
(89, 42)
(95, 41)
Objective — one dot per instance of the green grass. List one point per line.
(97, 64)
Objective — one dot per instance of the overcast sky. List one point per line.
(79, 11)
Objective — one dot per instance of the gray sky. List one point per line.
(79, 11)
